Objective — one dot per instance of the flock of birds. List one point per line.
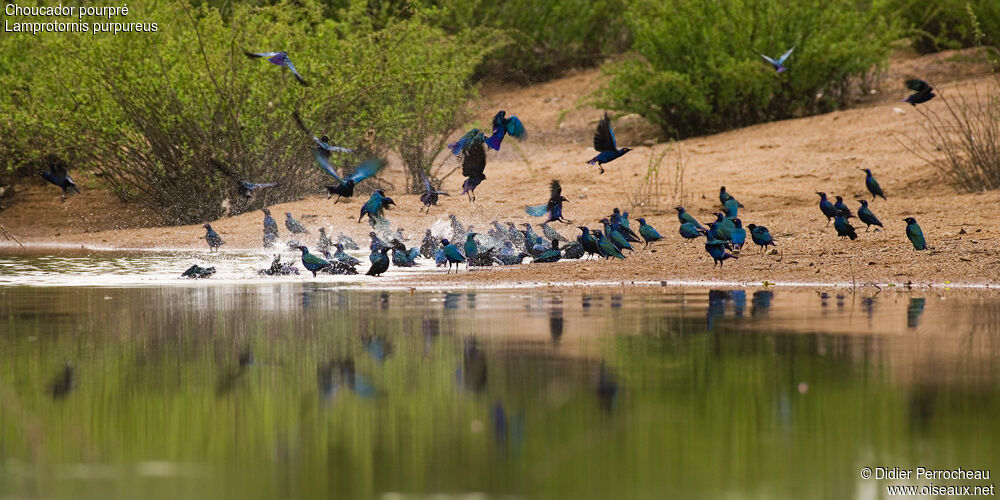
(508, 245)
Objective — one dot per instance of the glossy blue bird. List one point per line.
(403, 257)
(509, 256)
(245, 188)
(688, 231)
(842, 207)
(345, 186)
(619, 222)
(502, 126)
(605, 144)
(723, 226)
(843, 227)
(872, 184)
(278, 59)
(826, 207)
(470, 247)
(685, 217)
(212, 238)
(717, 249)
(376, 242)
(779, 63)
(922, 91)
(865, 215)
(270, 228)
(615, 237)
(452, 254)
(761, 236)
(738, 235)
(607, 248)
(380, 262)
(439, 258)
(731, 208)
(915, 234)
(472, 137)
(312, 262)
(375, 207)
(57, 176)
(553, 207)
(588, 241)
(725, 197)
(648, 233)
(573, 250)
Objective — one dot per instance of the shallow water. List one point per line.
(313, 390)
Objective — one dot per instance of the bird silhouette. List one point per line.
(605, 144)
(503, 126)
(553, 207)
(212, 238)
(294, 226)
(922, 91)
(915, 234)
(473, 166)
(278, 59)
(779, 64)
(380, 261)
(270, 228)
(345, 186)
(430, 195)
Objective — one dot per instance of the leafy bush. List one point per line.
(695, 70)
(150, 112)
(945, 24)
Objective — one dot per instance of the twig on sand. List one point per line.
(7, 234)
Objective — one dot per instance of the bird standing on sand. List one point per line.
(588, 241)
(865, 215)
(615, 237)
(843, 227)
(293, 225)
(605, 144)
(779, 63)
(922, 91)
(738, 236)
(725, 197)
(842, 207)
(826, 207)
(915, 234)
(278, 59)
(606, 247)
(761, 236)
(688, 231)
(648, 232)
(270, 228)
(872, 184)
(553, 207)
(503, 126)
(58, 176)
(312, 262)
(341, 256)
(717, 249)
(552, 255)
(212, 237)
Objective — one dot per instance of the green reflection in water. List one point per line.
(295, 391)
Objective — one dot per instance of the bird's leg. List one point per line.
(601, 167)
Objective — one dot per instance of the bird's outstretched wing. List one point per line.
(555, 191)
(784, 57)
(323, 160)
(918, 85)
(261, 185)
(470, 137)
(288, 62)
(515, 128)
(474, 160)
(319, 142)
(768, 59)
(604, 137)
(537, 210)
(257, 55)
(367, 169)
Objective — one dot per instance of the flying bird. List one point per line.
(278, 59)
(915, 234)
(246, 188)
(553, 207)
(473, 166)
(322, 143)
(58, 176)
(503, 126)
(430, 195)
(605, 144)
(922, 92)
(779, 64)
(473, 136)
(345, 186)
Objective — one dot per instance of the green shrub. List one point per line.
(945, 24)
(695, 69)
(150, 112)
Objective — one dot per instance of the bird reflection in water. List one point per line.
(229, 379)
(716, 307)
(760, 302)
(62, 384)
(472, 374)
(336, 374)
(914, 310)
(607, 388)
